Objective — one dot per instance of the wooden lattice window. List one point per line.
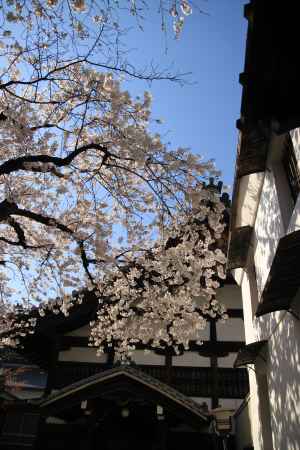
(291, 168)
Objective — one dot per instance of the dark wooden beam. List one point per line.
(52, 363)
(235, 313)
(284, 278)
(249, 353)
(217, 349)
(214, 366)
(253, 147)
(168, 364)
(239, 244)
(110, 356)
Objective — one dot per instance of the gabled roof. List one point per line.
(123, 378)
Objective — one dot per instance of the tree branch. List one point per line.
(15, 164)
(10, 208)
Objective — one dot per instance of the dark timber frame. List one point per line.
(249, 353)
(284, 278)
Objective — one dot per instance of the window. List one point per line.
(290, 165)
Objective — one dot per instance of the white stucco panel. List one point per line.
(190, 359)
(227, 361)
(249, 309)
(248, 198)
(295, 135)
(238, 275)
(294, 224)
(81, 354)
(150, 358)
(269, 229)
(231, 330)
(284, 384)
(230, 296)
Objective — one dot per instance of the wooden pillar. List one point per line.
(168, 365)
(53, 357)
(214, 367)
(110, 357)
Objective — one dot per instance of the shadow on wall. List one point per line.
(278, 390)
(280, 386)
(283, 332)
(268, 230)
(284, 384)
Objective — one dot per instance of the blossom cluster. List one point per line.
(166, 297)
(162, 298)
(89, 196)
(81, 14)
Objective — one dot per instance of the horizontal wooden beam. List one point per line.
(253, 146)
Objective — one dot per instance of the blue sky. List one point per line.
(200, 115)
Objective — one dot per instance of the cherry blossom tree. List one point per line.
(40, 36)
(91, 200)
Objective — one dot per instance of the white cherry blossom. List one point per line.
(91, 200)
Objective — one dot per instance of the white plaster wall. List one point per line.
(81, 354)
(277, 392)
(267, 324)
(227, 361)
(294, 224)
(230, 295)
(261, 433)
(250, 332)
(238, 275)
(249, 193)
(141, 357)
(295, 135)
(231, 330)
(282, 391)
(284, 384)
(268, 230)
(190, 359)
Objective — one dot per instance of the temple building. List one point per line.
(264, 249)
(162, 400)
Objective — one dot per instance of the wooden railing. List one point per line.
(192, 381)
